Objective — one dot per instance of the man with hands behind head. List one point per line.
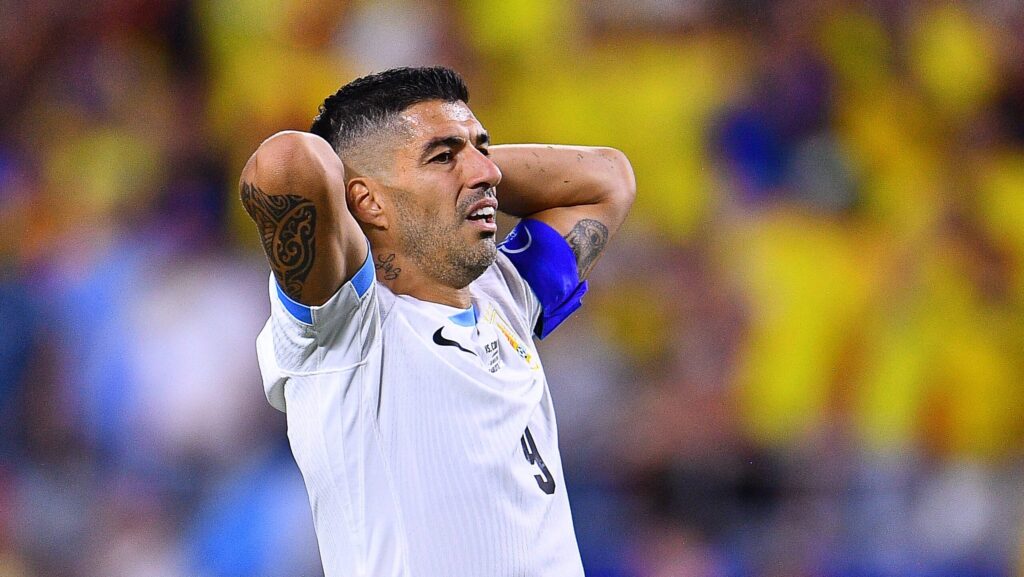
(400, 337)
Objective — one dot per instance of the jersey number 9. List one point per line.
(545, 481)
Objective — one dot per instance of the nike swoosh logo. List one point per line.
(529, 240)
(440, 340)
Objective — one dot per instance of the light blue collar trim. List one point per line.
(466, 318)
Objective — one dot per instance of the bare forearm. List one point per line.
(539, 177)
(582, 192)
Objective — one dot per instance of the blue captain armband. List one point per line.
(548, 265)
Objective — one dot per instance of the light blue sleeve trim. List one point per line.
(301, 312)
(361, 282)
(364, 276)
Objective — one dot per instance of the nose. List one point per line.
(483, 173)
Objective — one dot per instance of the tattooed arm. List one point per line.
(293, 187)
(582, 192)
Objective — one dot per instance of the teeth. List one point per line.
(485, 211)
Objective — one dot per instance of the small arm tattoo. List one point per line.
(287, 226)
(587, 240)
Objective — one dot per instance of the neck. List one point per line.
(403, 277)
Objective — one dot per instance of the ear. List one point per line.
(364, 202)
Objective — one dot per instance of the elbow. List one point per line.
(620, 183)
(290, 161)
(272, 163)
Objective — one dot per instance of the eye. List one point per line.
(443, 158)
(484, 151)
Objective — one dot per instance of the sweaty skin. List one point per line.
(438, 167)
(441, 175)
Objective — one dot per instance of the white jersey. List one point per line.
(425, 434)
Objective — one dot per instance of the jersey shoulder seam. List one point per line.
(345, 369)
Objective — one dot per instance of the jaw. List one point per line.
(452, 256)
(479, 236)
(476, 254)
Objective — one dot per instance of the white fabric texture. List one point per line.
(410, 428)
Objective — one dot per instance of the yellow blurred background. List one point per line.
(801, 357)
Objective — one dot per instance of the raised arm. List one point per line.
(582, 192)
(293, 187)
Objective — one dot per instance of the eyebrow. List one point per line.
(452, 141)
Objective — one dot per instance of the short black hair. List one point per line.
(369, 103)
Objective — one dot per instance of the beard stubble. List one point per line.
(440, 250)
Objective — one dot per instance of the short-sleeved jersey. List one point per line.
(425, 434)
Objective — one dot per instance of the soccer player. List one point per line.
(400, 336)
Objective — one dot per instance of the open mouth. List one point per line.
(484, 218)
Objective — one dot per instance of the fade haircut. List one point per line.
(372, 104)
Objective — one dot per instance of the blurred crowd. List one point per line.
(800, 358)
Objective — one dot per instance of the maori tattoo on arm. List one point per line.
(587, 240)
(287, 227)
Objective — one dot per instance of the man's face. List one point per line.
(442, 192)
